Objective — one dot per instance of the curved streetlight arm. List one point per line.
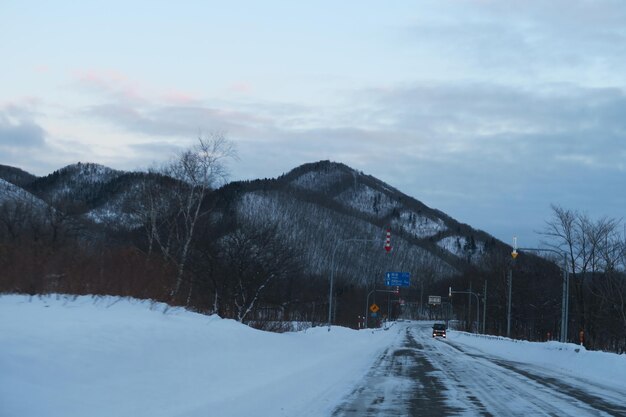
(565, 300)
(367, 302)
(332, 271)
(477, 305)
(558, 252)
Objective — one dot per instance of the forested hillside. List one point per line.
(263, 251)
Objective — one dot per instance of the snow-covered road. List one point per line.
(435, 377)
(66, 356)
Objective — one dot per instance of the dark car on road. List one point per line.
(439, 329)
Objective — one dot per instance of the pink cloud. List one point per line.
(25, 101)
(241, 87)
(111, 82)
(180, 98)
(123, 88)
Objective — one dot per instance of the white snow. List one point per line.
(11, 192)
(368, 200)
(568, 358)
(89, 356)
(91, 173)
(418, 225)
(120, 357)
(454, 245)
(318, 180)
(110, 213)
(259, 208)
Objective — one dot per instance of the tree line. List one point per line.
(595, 251)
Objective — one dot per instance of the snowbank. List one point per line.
(567, 358)
(85, 356)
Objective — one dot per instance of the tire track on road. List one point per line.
(403, 383)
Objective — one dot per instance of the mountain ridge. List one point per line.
(316, 206)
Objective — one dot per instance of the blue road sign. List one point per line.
(397, 279)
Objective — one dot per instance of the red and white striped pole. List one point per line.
(388, 241)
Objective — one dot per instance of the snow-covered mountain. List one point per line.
(325, 207)
(11, 193)
(336, 216)
(16, 176)
(79, 182)
(97, 193)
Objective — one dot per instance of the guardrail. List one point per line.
(491, 337)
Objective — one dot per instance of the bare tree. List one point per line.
(151, 207)
(254, 259)
(593, 249)
(562, 235)
(197, 171)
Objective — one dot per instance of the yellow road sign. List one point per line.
(374, 308)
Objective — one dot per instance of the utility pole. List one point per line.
(469, 308)
(510, 287)
(485, 307)
(421, 297)
(508, 307)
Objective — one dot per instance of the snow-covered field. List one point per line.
(61, 356)
(119, 357)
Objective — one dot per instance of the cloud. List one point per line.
(498, 120)
(112, 84)
(131, 107)
(18, 128)
(155, 119)
(477, 151)
(20, 134)
(465, 124)
(521, 41)
(474, 149)
(26, 144)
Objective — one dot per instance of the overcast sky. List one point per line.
(490, 111)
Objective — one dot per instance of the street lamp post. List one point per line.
(565, 296)
(332, 271)
(509, 283)
(485, 307)
(367, 302)
(450, 292)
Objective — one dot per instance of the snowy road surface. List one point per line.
(423, 376)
